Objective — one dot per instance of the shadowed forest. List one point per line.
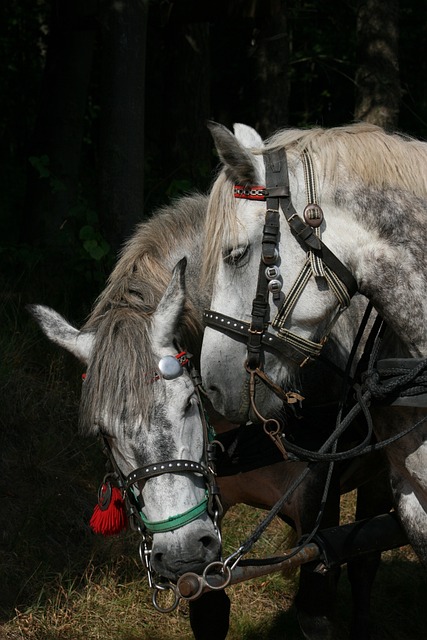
(102, 120)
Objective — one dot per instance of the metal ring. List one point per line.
(158, 588)
(271, 432)
(224, 569)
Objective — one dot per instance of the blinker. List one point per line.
(170, 368)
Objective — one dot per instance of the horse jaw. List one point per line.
(62, 333)
(240, 165)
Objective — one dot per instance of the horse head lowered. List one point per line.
(139, 394)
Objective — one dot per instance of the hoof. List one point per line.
(315, 627)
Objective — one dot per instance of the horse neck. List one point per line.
(388, 258)
(143, 270)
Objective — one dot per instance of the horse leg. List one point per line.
(373, 498)
(315, 600)
(210, 616)
(407, 458)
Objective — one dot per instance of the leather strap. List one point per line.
(269, 341)
(159, 468)
(275, 170)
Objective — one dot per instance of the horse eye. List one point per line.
(235, 257)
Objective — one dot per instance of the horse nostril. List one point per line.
(213, 388)
(208, 541)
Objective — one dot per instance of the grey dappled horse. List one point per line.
(346, 211)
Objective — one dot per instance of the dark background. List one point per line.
(104, 108)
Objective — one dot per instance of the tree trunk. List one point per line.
(57, 141)
(190, 105)
(377, 77)
(121, 171)
(271, 81)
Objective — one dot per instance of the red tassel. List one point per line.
(109, 515)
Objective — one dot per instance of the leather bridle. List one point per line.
(321, 261)
(129, 486)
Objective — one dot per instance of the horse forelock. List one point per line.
(119, 385)
(221, 224)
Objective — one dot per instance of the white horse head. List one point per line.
(364, 179)
(169, 429)
(237, 257)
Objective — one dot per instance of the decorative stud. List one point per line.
(272, 273)
(275, 287)
(313, 215)
(170, 368)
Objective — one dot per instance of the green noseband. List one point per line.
(175, 522)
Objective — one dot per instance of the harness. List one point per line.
(320, 262)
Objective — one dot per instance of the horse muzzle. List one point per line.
(190, 548)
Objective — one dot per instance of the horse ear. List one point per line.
(241, 166)
(169, 310)
(61, 332)
(247, 136)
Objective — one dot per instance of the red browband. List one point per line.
(182, 358)
(255, 192)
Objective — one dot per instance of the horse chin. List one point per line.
(173, 573)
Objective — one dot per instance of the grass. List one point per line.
(59, 582)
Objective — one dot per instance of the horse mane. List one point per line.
(362, 152)
(122, 367)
